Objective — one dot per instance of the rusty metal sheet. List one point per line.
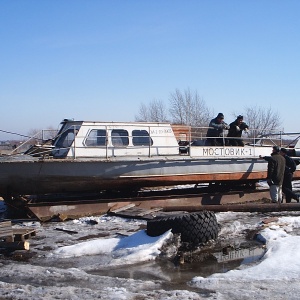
(67, 211)
(75, 209)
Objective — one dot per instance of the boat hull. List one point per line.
(60, 176)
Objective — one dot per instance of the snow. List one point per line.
(70, 266)
(136, 248)
(279, 269)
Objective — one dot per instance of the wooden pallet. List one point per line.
(23, 234)
(132, 211)
(14, 239)
(6, 231)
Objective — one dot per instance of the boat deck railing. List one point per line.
(186, 136)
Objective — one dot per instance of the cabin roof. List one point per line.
(117, 123)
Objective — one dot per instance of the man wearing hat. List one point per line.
(290, 167)
(235, 132)
(276, 168)
(215, 131)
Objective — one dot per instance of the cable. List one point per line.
(27, 136)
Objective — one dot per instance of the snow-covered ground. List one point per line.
(113, 258)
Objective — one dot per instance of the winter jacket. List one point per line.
(290, 165)
(276, 168)
(236, 130)
(217, 128)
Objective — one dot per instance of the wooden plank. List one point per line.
(4, 234)
(23, 234)
(4, 224)
(32, 232)
(6, 231)
(149, 211)
(125, 207)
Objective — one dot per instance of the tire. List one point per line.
(196, 228)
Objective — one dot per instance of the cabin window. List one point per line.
(66, 139)
(96, 137)
(141, 138)
(119, 137)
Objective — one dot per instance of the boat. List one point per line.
(88, 156)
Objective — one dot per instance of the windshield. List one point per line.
(65, 139)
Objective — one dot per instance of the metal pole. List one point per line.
(255, 207)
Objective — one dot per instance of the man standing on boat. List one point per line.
(235, 132)
(290, 168)
(276, 168)
(215, 132)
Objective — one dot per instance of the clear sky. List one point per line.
(99, 60)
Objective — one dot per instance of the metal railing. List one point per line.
(196, 136)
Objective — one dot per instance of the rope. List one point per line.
(27, 136)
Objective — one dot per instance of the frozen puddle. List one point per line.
(196, 264)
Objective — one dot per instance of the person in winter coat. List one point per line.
(276, 169)
(290, 168)
(215, 132)
(235, 132)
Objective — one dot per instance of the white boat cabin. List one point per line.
(102, 139)
(136, 139)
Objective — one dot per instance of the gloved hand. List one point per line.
(237, 128)
(225, 126)
(246, 130)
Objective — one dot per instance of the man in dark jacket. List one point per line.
(215, 132)
(235, 132)
(290, 167)
(276, 168)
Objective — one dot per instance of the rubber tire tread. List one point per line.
(196, 228)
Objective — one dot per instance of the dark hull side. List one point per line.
(60, 176)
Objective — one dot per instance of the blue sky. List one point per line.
(99, 60)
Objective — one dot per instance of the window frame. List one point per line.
(121, 139)
(141, 137)
(97, 137)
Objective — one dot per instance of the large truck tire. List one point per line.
(196, 228)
